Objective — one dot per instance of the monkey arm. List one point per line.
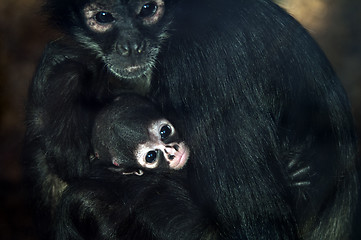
(150, 206)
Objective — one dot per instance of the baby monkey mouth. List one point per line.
(177, 155)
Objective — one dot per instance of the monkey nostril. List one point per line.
(139, 48)
(123, 49)
(171, 157)
(131, 48)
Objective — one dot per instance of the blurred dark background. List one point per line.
(335, 24)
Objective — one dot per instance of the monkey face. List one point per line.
(131, 135)
(162, 149)
(125, 36)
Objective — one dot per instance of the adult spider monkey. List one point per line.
(245, 85)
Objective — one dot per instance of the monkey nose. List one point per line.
(130, 48)
(171, 151)
(176, 147)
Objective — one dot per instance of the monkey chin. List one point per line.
(180, 161)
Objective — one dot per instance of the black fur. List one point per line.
(113, 202)
(246, 86)
(131, 128)
(152, 206)
(267, 117)
(73, 82)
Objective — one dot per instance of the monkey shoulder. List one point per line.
(63, 62)
(64, 51)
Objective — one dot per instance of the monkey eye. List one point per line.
(104, 17)
(165, 131)
(148, 156)
(151, 157)
(148, 10)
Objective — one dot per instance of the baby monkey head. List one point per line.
(131, 136)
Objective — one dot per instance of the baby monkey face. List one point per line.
(163, 147)
(131, 134)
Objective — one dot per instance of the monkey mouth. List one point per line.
(130, 72)
(133, 68)
(180, 162)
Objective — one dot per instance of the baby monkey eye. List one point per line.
(151, 157)
(165, 132)
(148, 10)
(104, 17)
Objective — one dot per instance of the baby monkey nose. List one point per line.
(171, 151)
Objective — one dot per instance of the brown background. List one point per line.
(336, 25)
